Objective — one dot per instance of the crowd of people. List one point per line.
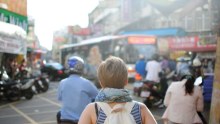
(83, 103)
(180, 92)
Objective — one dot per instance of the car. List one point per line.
(54, 70)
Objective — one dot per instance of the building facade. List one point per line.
(113, 16)
(67, 35)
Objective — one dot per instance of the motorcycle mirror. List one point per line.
(198, 81)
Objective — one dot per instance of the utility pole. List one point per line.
(215, 103)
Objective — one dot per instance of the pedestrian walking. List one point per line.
(113, 104)
(183, 100)
(74, 92)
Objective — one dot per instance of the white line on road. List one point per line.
(35, 113)
(50, 101)
(23, 114)
(45, 122)
(38, 106)
(8, 104)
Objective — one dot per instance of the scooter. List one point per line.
(41, 82)
(9, 89)
(26, 85)
(150, 92)
(14, 89)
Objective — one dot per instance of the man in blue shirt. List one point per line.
(74, 92)
(140, 66)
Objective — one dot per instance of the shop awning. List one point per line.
(12, 39)
(158, 32)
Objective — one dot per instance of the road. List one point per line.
(43, 107)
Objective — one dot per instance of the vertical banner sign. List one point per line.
(215, 105)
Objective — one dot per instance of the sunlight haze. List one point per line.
(51, 15)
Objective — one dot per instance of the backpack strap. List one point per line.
(132, 107)
(136, 113)
(101, 116)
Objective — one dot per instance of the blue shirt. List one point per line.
(75, 93)
(140, 67)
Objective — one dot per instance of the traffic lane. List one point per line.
(41, 109)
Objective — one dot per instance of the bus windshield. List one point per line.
(129, 50)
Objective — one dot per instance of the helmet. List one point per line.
(76, 64)
(141, 56)
(196, 62)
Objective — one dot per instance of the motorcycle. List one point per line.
(26, 85)
(26, 88)
(150, 92)
(8, 88)
(138, 85)
(154, 93)
(14, 89)
(41, 82)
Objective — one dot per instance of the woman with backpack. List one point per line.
(113, 104)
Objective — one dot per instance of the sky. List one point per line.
(51, 15)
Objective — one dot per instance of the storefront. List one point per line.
(12, 41)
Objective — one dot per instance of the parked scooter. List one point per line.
(26, 85)
(41, 82)
(26, 88)
(15, 89)
(9, 89)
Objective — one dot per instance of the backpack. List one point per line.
(128, 113)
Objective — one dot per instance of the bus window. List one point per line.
(147, 50)
(130, 52)
(105, 49)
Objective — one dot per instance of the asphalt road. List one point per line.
(43, 107)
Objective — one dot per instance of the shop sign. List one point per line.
(183, 43)
(16, 6)
(76, 30)
(207, 41)
(13, 18)
(12, 45)
(162, 45)
(141, 40)
(193, 43)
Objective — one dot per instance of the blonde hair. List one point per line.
(112, 73)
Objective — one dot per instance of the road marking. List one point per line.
(157, 117)
(23, 114)
(45, 122)
(48, 122)
(50, 101)
(27, 107)
(51, 91)
(8, 104)
(8, 116)
(35, 113)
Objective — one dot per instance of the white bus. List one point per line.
(127, 47)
